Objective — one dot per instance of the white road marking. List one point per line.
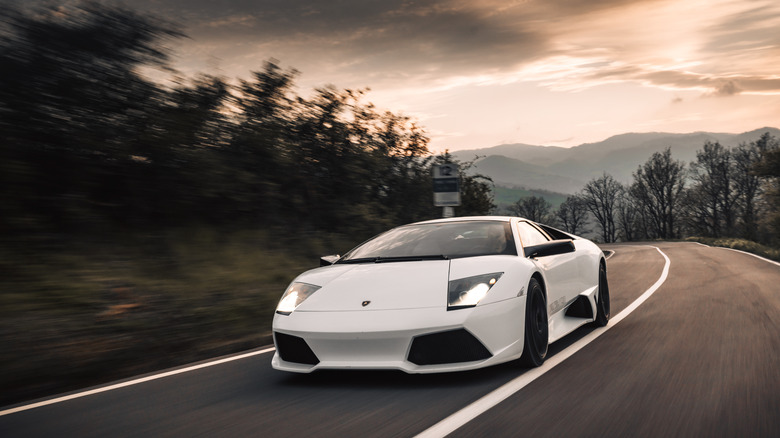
(743, 252)
(750, 254)
(133, 382)
(463, 416)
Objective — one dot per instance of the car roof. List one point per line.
(471, 218)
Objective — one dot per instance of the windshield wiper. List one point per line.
(396, 259)
(360, 260)
(411, 258)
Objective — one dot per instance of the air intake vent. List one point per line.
(447, 347)
(580, 308)
(294, 349)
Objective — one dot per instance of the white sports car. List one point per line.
(442, 295)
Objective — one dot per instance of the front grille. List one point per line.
(294, 349)
(447, 347)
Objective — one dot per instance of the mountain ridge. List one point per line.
(566, 170)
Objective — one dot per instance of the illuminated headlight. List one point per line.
(466, 292)
(294, 296)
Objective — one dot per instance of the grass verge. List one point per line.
(740, 244)
(80, 312)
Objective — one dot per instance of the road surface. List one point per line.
(699, 357)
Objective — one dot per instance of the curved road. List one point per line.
(701, 357)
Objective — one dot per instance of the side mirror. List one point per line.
(329, 259)
(549, 249)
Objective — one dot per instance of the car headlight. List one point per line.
(294, 296)
(466, 292)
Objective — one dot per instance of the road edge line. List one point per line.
(132, 382)
(458, 419)
(748, 253)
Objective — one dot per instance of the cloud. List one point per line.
(728, 88)
(232, 20)
(655, 76)
(384, 42)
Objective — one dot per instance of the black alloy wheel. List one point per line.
(602, 300)
(536, 328)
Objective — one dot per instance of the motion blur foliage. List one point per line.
(71, 105)
(141, 216)
(89, 143)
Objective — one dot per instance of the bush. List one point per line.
(740, 244)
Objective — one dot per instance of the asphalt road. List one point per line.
(701, 357)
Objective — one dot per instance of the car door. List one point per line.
(560, 271)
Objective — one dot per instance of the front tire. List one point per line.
(536, 328)
(602, 301)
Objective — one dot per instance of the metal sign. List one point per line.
(446, 186)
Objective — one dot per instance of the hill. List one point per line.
(566, 170)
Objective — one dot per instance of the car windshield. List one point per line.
(443, 240)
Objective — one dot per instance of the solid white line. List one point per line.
(463, 416)
(743, 252)
(750, 254)
(132, 382)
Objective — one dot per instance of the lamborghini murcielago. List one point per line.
(442, 295)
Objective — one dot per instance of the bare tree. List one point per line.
(534, 208)
(769, 169)
(715, 197)
(572, 215)
(600, 196)
(747, 182)
(628, 217)
(658, 187)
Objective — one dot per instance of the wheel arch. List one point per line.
(538, 276)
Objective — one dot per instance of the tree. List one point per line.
(629, 225)
(600, 196)
(747, 181)
(72, 104)
(572, 215)
(713, 174)
(658, 187)
(769, 169)
(476, 192)
(533, 208)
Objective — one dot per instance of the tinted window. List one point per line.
(448, 239)
(529, 235)
(554, 233)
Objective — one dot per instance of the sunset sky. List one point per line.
(481, 73)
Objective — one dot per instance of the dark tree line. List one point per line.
(726, 192)
(88, 142)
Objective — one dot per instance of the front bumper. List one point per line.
(384, 339)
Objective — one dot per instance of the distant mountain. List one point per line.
(507, 196)
(539, 155)
(509, 172)
(566, 170)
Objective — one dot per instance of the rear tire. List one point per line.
(536, 328)
(602, 300)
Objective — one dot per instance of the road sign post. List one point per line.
(446, 188)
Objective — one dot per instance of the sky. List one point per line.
(477, 74)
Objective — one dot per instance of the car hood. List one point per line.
(383, 286)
